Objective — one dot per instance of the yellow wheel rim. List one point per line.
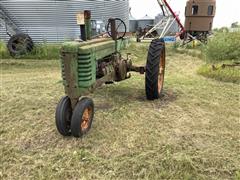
(86, 118)
(161, 72)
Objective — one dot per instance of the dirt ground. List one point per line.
(192, 132)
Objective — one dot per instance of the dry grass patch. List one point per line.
(192, 132)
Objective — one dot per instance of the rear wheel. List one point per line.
(155, 69)
(63, 116)
(82, 117)
(20, 44)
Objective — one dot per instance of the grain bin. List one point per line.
(54, 21)
(145, 21)
(132, 24)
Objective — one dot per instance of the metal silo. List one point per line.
(55, 20)
(145, 21)
(132, 24)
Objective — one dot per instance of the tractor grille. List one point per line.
(84, 69)
(62, 71)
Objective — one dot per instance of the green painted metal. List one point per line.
(79, 61)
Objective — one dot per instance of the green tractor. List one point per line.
(93, 62)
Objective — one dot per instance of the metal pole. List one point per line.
(87, 20)
(175, 16)
(113, 29)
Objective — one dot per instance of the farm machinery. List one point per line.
(88, 64)
(92, 62)
(199, 17)
(20, 43)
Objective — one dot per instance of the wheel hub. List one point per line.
(161, 73)
(86, 118)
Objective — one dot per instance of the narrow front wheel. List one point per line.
(82, 117)
(63, 116)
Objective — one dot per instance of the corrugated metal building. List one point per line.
(55, 20)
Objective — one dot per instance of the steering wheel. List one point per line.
(120, 28)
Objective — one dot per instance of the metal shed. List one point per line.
(54, 21)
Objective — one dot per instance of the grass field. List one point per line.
(228, 74)
(192, 132)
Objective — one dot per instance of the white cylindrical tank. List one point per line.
(54, 21)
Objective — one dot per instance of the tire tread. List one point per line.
(152, 68)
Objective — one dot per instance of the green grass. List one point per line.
(3, 51)
(192, 132)
(191, 52)
(223, 46)
(44, 51)
(40, 51)
(228, 74)
(189, 49)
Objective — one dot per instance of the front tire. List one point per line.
(63, 116)
(155, 69)
(82, 117)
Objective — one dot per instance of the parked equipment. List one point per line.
(19, 43)
(199, 15)
(88, 65)
(169, 18)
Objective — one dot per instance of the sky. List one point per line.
(227, 12)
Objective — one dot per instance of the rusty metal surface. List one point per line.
(113, 29)
(119, 65)
(70, 77)
(200, 20)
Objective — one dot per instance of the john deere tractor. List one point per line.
(88, 64)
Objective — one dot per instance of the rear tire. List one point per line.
(20, 44)
(155, 69)
(63, 116)
(82, 117)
